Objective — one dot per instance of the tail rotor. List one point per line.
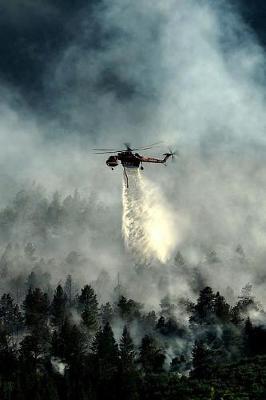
(172, 154)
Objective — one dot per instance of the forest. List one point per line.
(63, 338)
(65, 347)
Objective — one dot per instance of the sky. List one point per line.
(75, 75)
(34, 33)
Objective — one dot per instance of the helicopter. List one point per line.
(129, 159)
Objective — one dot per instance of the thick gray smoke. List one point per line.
(186, 72)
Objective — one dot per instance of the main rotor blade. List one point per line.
(105, 149)
(149, 146)
(108, 152)
(143, 148)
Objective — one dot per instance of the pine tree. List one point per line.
(35, 347)
(58, 306)
(107, 361)
(8, 360)
(34, 362)
(172, 328)
(128, 372)
(203, 312)
(129, 309)
(235, 315)
(105, 346)
(200, 360)
(160, 326)
(127, 353)
(69, 343)
(10, 315)
(88, 306)
(248, 342)
(151, 357)
(36, 307)
(221, 308)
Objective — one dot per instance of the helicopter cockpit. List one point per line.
(112, 162)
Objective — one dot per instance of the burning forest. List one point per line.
(120, 278)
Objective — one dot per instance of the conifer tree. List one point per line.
(35, 346)
(10, 315)
(204, 309)
(128, 372)
(235, 315)
(128, 309)
(127, 353)
(160, 324)
(105, 346)
(69, 343)
(8, 361)
(200, 360)
(58, 306)
(248, 331)
(221, 308)
(151, 357)
(107, 362)
(88, 306)
(36, 307)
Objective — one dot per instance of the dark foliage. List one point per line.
(66, 348)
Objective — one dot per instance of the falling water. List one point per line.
(149, 226)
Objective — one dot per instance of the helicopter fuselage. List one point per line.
(133, 160)
(126, 158)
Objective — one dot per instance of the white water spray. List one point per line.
(149, 225)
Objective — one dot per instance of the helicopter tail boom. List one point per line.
(156, 160)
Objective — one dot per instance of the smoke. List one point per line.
(186, 72)
(151, 229)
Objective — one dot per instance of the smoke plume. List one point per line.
(190, 73)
